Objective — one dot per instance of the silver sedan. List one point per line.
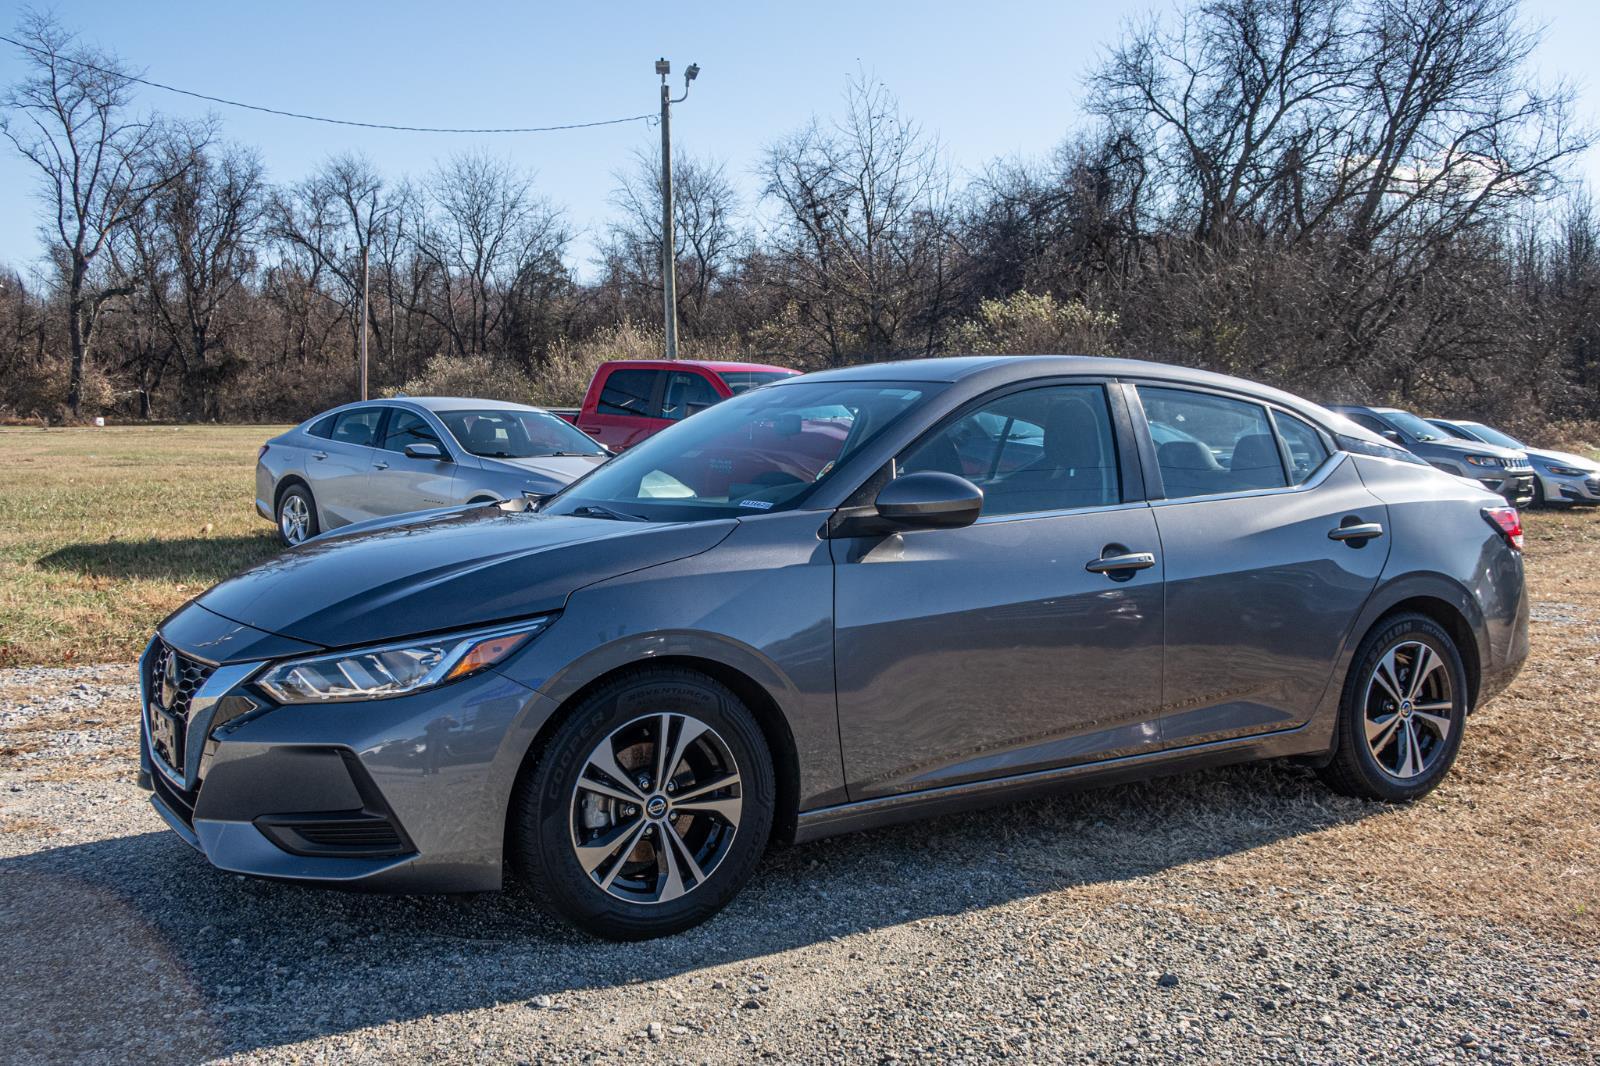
(385, 457)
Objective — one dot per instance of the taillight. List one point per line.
(1508, 522)
(262, 452)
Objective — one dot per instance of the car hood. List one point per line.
(442, 570)
(1563, 459)
(1472, 447)
(561, 469)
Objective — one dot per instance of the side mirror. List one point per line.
(424, 451)
(930, 500)
(1394, 435)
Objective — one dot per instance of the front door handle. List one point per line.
(1119, 564)
(1356, 532)
(380, 466)
(319, 455)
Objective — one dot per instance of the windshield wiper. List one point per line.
(561, 455)
(595, 510)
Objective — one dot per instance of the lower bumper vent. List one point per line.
(347, 834)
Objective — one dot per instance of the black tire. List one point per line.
(547, 815)
(1538, 494)
(1355, 769)
(300, 495)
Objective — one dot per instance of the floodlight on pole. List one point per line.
(669, 265)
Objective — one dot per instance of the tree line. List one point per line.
(1366, 199)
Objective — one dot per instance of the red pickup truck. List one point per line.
(631, 399)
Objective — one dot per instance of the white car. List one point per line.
(385, 457)
(1558, 477)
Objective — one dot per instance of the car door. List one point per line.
(1272, 546)
(400, 483)
(995, 649)
(628, 409)
(337, 468)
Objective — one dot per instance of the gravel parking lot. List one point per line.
(1244, 913)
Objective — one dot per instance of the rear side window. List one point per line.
(323, 427)
(1208, 444)
(1047, 449)
(1306, 450)
(687, 392)
(630, 392)
(358, 426)
(406, 427)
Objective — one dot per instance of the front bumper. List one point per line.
(405, 794)
(1516, 488)
(1558, 489)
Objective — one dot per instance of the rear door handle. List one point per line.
(380, 466)
(1357, 532)
(1116, 564)
(319, 455)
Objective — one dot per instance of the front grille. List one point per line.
(1594, 485)
(171, 685)
(1519, 466)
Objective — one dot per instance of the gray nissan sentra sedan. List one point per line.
(838, 601)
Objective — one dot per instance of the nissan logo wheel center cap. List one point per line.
(656, 806)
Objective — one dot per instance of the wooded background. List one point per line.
(1362, 200)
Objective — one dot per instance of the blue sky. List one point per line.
(997, 79)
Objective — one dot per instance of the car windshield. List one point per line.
(1412, 426)
(744, 380)
(759, 452)
(1493, 436)
(509, 434)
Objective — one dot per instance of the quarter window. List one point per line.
(406, 427)
(1048, 449)
(1306, 450)
(1208, 444)
(630, 392)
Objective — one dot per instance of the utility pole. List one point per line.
(363, 321)
(669, 259)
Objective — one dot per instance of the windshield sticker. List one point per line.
(759, 505)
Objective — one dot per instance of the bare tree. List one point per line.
(98, 166)
(490, 252)
(705, 208)
(862, 227)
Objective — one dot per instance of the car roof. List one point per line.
(461, 403)
(717, 365)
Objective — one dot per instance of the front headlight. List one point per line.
(1483, 460)
(1568, 471)
(397, 669)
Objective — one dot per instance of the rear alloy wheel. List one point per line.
(648, 809)
(1404, 708)
(297, 516)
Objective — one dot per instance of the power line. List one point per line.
(323, 118)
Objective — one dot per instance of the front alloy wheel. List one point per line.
(656, 808)
(647, 808)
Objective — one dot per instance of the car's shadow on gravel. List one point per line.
(139, 931)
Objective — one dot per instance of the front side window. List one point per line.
(358, 426)
(752, 454)
(1207, 444)
(630, 392)
(407, 427)
(687, 392)
(1047, 449)
(1412, 426)
(1494, 436)
(506, 434)
(1306, 450)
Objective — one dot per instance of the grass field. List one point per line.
(104, 531)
